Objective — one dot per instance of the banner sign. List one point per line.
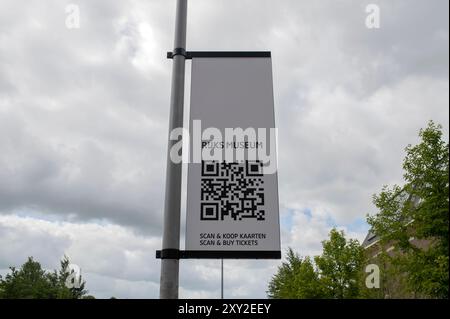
(232, 187)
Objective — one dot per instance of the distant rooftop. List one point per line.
(370, 239)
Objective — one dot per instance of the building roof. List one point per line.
(370, 239)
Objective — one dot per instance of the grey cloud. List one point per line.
(80, 131)
(16, 247)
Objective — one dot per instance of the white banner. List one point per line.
(232, 187)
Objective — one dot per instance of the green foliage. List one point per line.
(32, 282)
(339, 266)
(296, 279)
(391, 282)
(69, 293)
(419, 209)
(334, 274)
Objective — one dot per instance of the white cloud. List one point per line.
(345, 148)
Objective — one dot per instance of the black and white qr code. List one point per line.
(232, 190)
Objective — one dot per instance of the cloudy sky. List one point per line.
(84, 120)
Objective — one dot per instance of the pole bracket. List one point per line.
(172, 253)
(169, 253)
(218, 54)
(178, 51)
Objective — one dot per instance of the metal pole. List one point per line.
(221, 285)
(172, 202)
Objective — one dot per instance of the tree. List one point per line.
(62, 276)
(334, 274)
(32, 282)
(340, 266)
(296, 279)
(419, 210)
(391, 283)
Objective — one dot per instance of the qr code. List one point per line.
(232, 190)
